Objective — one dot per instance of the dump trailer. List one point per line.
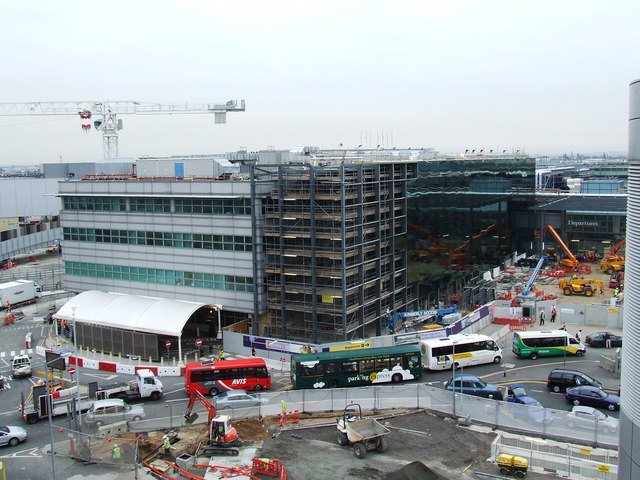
(19, 292)
(145, 386)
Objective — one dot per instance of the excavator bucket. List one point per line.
(190, 418)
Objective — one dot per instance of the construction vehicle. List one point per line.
(580, 287)
(613, 266)
(362, 433)
(613, 253)
(19, 292)
(63, 400)
(461, 254)
(534, 275)
(442, 314)
(513, 465)
(438, 248)
(616, 280)
(223, 438)
(570, 262)
(145, 386)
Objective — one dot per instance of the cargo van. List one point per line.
(560, 379)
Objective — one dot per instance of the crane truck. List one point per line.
(571, 261)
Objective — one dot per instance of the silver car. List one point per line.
(112, 410)
(12, 435)
(238, 399)
(591, 418)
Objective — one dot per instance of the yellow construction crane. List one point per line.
(103, 115)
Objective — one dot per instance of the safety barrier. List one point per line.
(288, 417)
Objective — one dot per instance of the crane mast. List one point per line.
(108, 111)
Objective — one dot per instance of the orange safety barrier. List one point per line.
(267, 466)
(288, 417)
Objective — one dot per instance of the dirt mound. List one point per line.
(250, 429)
(414, 471)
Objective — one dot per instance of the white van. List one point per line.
(21, 366)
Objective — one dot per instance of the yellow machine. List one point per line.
(580, 287)
(512, 465)
(611, 267)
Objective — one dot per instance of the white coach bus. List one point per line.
(462, 349)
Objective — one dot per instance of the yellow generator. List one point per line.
(512, 465)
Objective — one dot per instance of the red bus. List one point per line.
(218, 376)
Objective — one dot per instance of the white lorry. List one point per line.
(19, 292)
(145, 386)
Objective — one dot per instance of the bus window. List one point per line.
(369, 365)
(350, 367)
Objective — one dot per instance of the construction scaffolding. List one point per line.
(333, 263)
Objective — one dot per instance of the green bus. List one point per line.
(351, 368)
(545, 343)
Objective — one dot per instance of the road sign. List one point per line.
(72, 371)
(198, 342)
(167, 344)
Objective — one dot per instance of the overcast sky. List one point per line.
(541, 76)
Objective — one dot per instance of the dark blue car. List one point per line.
(473, 385)
(592, 396)
(534, 412)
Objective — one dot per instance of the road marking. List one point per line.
(13, 353)
(5, 362)
(102, 376)
(30, 453)
(174, 391)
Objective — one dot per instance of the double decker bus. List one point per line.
(545, 343)
(463, 350)
(367, 366)
(221, 375)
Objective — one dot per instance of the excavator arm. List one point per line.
(570, 262)
(196, 395)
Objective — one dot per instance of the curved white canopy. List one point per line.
(129, 312)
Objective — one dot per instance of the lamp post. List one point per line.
(49, 407)
(75, 354)
(219, 334)
(453, 377)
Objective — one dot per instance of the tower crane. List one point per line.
(105, 114)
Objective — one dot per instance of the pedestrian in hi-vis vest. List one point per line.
(542, 318)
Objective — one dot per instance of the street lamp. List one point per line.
(453, 377)
(219, 334)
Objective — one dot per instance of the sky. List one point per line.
(545, 77)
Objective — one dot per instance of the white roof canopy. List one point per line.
(130, 312)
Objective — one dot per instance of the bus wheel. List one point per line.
(257, 388)
(214, 391)
(397, 378)
(332, 383)
(497, 360)
(579, 353)
(534, 356)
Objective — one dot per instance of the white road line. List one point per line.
(173, 391)
(5, 362)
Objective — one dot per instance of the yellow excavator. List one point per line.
(580, 287)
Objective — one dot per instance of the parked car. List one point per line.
(591, 418)
(112, 410)
(592, 396)
(238, 399)
(599, 339)
(473, 385)
(560, 379)
(12, 435)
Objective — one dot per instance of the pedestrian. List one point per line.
(542, 318)
(553, 314)
(616, 292)
(563, 327)
(166, 444)
(115, 453)
(578, 335)
(253, 351)
(221, 355)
